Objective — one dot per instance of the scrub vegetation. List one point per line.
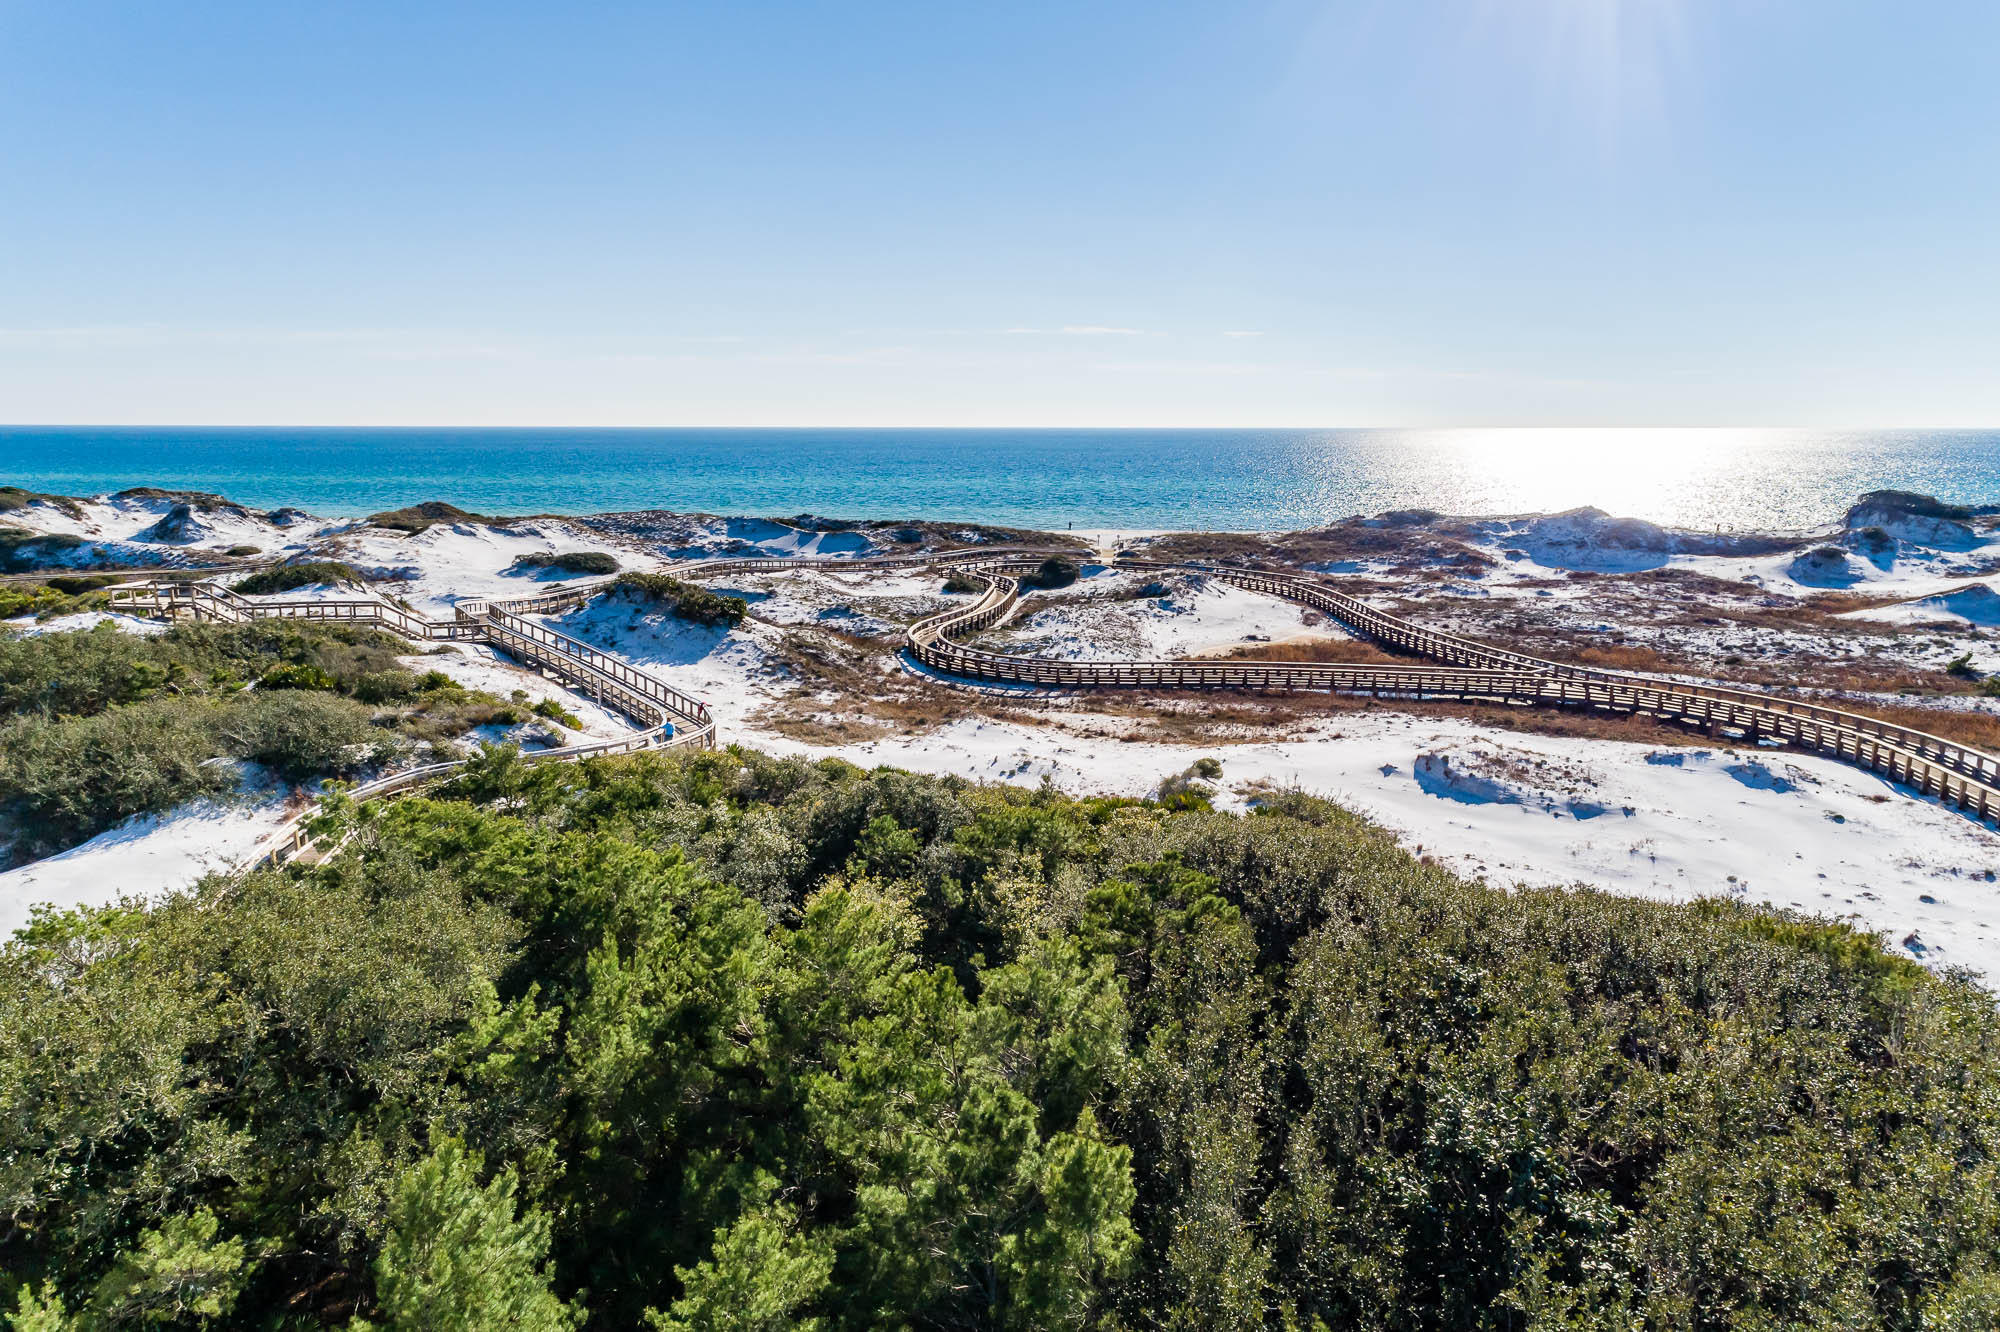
(570, 561)
(719, 1040)
(286, 577)
(98, 725)
(688, 601)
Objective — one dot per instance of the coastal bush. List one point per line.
(34, 599)
(14, 497)
(417, 518)
(236, 552)
(76, 585)
(960, 583)
(1053, 572)
(100, 725)
(289, 675)
(63, 781)
(687, 601)
(390, 686)
(79, 673)
(758, 1042)
(553, 709)
(22, 550)
(286, 577)
(570, 561)
(1188, 789)
(303, 735)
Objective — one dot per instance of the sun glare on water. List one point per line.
(1647, 473)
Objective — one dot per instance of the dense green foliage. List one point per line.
(553, 710)
(417, 518)
(22, 550)
(49, 598)
(99, 725)
(14, 497)
(285, 577)
(959, 583)
(570, 561)
(1053, 572)
(688, 601)
(724, 1041)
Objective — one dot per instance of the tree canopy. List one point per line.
(723, 1041)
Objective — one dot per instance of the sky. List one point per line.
(1345, 213)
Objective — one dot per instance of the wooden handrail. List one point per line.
(1958, 774)
(1466, 671)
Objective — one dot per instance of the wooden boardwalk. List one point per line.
(1957, 774)
(668, 719)
(1466, 671)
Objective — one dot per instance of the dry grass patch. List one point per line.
(1341, 651)
(1981, 730)
(1234, 717)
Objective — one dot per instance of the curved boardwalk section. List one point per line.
(1469, 671)
(1464, 670)
(668, 719)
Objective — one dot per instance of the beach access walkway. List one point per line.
(1464, 670)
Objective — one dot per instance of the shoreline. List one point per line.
(1730, 480)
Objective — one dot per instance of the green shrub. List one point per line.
(285, 577)
(749, 1041)
(391, 686)
(554, 711)
(288, 675)
(421, 517)
(1053, 572)
(960, 583)
(32, 599)
(77, 585)
(78, 673)
(238, 551)
(303, 735)
(685, 600)
(22, 550)
(13, 497)
(64, 781)
(1961, 666)
(570, 561)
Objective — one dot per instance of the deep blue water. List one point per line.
(1133, 479)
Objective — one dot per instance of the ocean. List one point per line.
(1241, 480)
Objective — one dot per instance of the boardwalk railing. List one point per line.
(1957, 774)
(1467, 670)
(668, 718)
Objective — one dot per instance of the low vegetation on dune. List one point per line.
(288, 577)
(97, 726)
(1053, 572)
(415, 518)
(14, 497)
(570, 561)
(688, 601)
(728, 1041)
(22, 551)
(55, 596)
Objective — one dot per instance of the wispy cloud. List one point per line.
(1242, 332)
(392, 343)
(1081, 331)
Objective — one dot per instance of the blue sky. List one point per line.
(1373, 212)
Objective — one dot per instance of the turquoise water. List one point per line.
(1131, 479)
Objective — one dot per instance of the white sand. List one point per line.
(1767, 826)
